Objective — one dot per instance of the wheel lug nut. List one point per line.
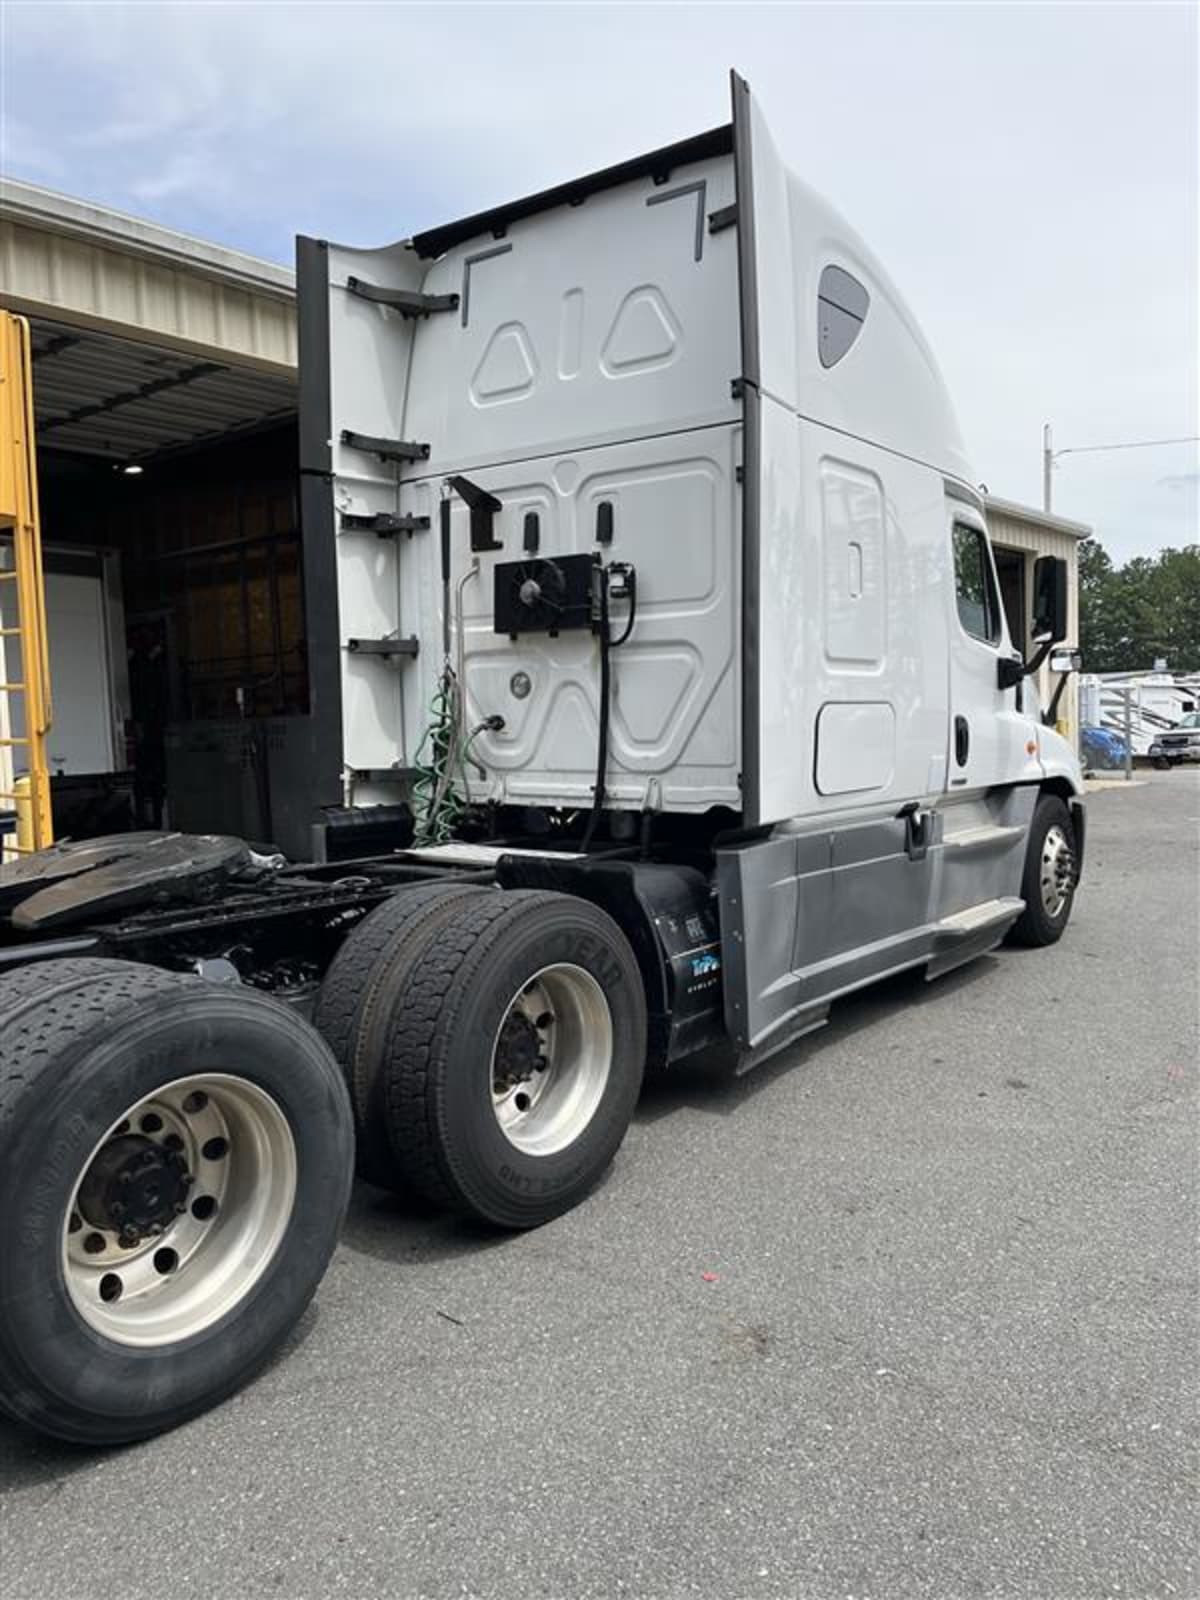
(116, 1210)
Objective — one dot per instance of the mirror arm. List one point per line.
(1011, 671)
(1050, 715)
(1043, 651)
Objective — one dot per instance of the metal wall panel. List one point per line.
(147, 284)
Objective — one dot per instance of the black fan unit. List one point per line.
(539, 595)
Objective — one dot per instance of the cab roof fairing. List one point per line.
(887, 388)
(656, 164)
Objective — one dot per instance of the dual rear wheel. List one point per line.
(493, 1045)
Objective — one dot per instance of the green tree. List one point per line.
(1131, 615)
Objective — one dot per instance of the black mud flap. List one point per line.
(669, 915)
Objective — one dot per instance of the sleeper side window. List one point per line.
(978, 603)
(841, 311)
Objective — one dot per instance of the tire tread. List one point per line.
(422, 1033)
(384, 990)
(346, 982)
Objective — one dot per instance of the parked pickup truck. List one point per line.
(1180, 743)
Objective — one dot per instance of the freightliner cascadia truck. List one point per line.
(655, 615)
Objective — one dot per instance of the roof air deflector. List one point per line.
(657, 164)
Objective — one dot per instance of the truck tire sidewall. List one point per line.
(507, 1184)
(95, 1388)
(1051, 812)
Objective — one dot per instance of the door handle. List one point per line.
(962, 740)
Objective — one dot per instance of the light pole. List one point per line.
(1050, 455)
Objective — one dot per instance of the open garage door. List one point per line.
(164, 389)
(164, 394)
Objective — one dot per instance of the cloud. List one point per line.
(187, 174)
(26, 149)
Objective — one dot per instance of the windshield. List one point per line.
(1192, 720)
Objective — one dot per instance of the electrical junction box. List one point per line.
(540, 595)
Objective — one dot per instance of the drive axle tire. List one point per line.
(39, 977)
(1050, 876)
(363, 984)
(515, 1057)
(175, 1162)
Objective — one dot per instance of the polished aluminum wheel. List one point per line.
(179, 1210)
(1057, 873)
(551, 1059)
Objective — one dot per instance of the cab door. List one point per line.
(987, 731)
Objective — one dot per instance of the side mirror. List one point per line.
(1066, 660)
(1049, 600)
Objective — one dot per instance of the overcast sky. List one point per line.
(1028, 173)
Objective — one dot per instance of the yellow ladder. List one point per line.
(25, 669)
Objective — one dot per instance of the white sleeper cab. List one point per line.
(645, 503)
(661, 695)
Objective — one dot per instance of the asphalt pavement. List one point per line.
(911, 1311)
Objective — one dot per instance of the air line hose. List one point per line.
(607, 645)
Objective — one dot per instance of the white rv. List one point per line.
(1149, 704)
(651, 607)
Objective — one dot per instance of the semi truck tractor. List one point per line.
(663, 694)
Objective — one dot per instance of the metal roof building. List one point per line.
(145, 339)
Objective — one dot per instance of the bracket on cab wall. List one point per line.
(385, 449)
(383, 524)
(483, 508)
(383, 774)
(383, 647)
(405, 301)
